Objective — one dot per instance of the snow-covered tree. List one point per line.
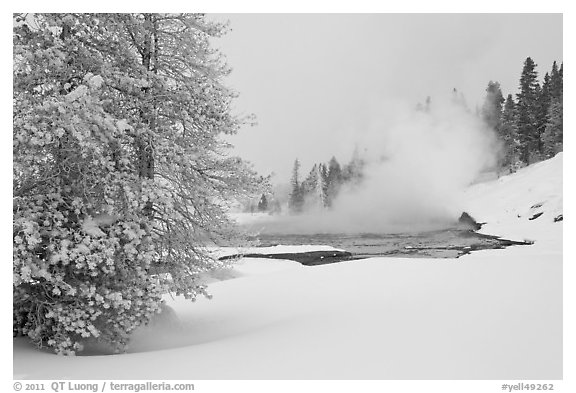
(552, 136)
(527, 110)
(120, 174)
(509, 135)
(543, 103)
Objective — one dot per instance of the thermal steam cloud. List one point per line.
(418, 163)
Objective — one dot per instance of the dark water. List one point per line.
(445, 243)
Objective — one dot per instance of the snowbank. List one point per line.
(494, 314)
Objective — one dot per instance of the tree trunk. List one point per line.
(145, 144)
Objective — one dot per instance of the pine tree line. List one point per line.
(323, 183)
(530, 127)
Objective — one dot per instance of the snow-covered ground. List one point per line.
(494, 314)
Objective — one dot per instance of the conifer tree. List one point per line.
(309, 184)
(321, 197)
(119, 170)
(323, 172)
(556, 82)
(333, 180)
(552, 137)
(508, 135)
(542, 109)
(491, 111)
(553, 134)
(296, 201)
(527, 109)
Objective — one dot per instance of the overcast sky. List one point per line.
(316, 81)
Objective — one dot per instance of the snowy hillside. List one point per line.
(522, 206)
(493, 314)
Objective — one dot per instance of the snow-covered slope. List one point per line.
(511, 205)
(494, 314)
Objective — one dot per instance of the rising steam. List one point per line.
(418, 164)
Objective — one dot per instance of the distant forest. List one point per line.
(529, 127)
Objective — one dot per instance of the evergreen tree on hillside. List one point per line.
(527, 110)
(552, 137)
(296, 201)
(556, 82)
(508, 135)
(553, 134)
(543, 107)
(491, 111)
